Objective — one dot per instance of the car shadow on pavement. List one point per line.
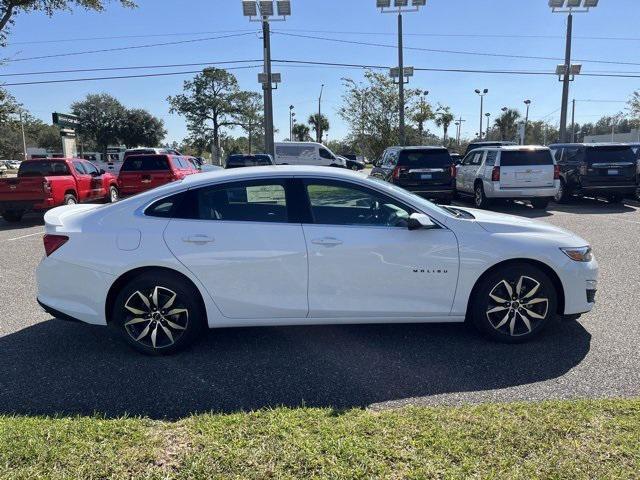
(29, 221)
(60, 368)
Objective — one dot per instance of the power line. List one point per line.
(130, 47)
(453, 52)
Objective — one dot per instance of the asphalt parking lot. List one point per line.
(49, 366)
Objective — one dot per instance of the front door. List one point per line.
(365, 262)
(83, 181)
(237, 240)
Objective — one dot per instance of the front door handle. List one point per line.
(327, 241)
(199, 239)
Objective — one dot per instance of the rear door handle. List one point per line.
(198, 239)
(327, 241)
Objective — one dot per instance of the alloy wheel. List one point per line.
(155, 318)
(113, 194)
(516, 309)
(560, 193)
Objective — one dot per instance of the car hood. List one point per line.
(501, 223)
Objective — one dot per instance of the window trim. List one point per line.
(305, 181)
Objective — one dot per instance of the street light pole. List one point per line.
(291, 123)
(573, 122)
(526, 120)
(482, 94)
(319, 119)
(401, 83)
(24, 139)
(488, 115)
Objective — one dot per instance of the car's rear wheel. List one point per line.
(13, 216)
(540, 203)
(479, 197)
(159, 314)
(514, 303)
(562, 195)
(70, 199)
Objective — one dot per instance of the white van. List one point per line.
(307, 153)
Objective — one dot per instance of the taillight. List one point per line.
(454, 171)
(583, 169)
(397, 172)
(53, 243)
(495, 174)
(556, 172)
(46, 186)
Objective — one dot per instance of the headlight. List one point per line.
(580, 254)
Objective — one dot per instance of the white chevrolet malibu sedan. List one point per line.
(304, 246)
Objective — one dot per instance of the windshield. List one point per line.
(525, 157)
(425, 158)
(416, 199)
(47, 168)
(609, 154)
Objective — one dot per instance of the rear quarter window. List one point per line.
(522, 158)
(142, 163)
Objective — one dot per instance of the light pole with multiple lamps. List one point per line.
(488, 115)
(263, 11)
(566, 72)
(402, 74)
(482, 93)
(526, 120)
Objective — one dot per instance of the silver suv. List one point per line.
(509, 172)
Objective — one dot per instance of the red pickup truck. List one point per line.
(46, 183)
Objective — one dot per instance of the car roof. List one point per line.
(591, 145)
(418, 147)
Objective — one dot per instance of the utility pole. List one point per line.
(24, 139)
(566, 80)
(460, 122)
(573, 122)
(319, 119)
(267, 87)
(403, 138)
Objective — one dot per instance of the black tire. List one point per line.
(13, 216)
(113, 194)
(505, 321)
(540, 203)
(562, 195)
(479, 198)
(173, 332)
(70, 199)
(615, 199)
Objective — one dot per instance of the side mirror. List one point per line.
(420, 221)
(102, 172)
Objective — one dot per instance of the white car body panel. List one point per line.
(307, 154)
(263, 279)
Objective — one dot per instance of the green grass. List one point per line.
(572, 440)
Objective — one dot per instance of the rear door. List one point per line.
(83, 181)
(526, 169)
(424, 168)
(609, 165)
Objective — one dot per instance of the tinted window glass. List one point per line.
(142, 163)
(609, 154)
(425, 158)
(243, 202)
(164, 208)
(522, 158)
(491, 158)
(573, 154)
(90, 168)
(37, 168)
(296, 151)
(79, 168)
(343, 204)
(236, 161)
(324, 153)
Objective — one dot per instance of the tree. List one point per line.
(100, 118)
(140, 128)
(211, 102)
(507, 124)
(444, 119)
(48, 137)
(10, 8)
(301, 132)
(634, 104)
(319, 124)
(371, 109)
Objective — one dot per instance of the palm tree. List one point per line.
(320, 127)
(422, 115)
(507, 123)
(300, 132)
(444, 119)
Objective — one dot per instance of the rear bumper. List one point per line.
(429, 191)
(24, 205)
(604, 189)
(494, 190)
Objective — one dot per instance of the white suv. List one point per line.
(509, 172)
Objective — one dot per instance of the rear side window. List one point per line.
(428, 158)
(37, 168)
(609, 154)
(142, 163)
(166, 207)
(491, 158)
(240, 202)
(522, 158)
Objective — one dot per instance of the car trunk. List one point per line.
(424, 168)
(526, 169)
(23, 189)
(608, 165)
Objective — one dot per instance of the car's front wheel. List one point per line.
(159, 314)
(514, 303)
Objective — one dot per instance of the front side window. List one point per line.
(338, 203)
(91, 169)
(324, 153)
(240, 202)
(79, 168)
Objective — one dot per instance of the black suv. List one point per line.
(474, 145)
(426, 171)
(242, 160)
(598, 170)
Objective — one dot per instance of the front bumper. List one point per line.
(580, 283)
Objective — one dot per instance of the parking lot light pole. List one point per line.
(318, 121)
(291, 123)
(526, 120)
(400, 7)
(482, 93)
(570, 7)
(488, 115)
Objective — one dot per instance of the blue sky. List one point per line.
(519, 27)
